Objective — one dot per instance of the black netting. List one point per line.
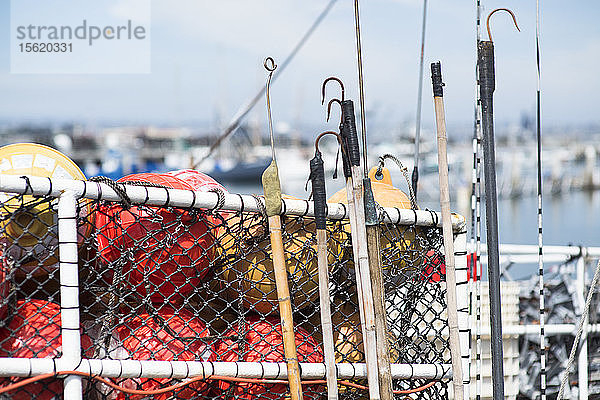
(165, 283)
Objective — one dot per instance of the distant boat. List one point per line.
(241, 172)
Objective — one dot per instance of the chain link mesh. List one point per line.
(165, 283)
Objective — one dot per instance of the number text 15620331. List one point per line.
(49, 47)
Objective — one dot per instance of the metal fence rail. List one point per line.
(149, 286)
(568, 271)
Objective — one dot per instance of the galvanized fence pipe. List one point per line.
(25, 367)
(69, 292)
(185, 198)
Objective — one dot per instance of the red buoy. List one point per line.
(34, 332)
(261, 340)
(197, 180)
(171, 249)
(167, 336)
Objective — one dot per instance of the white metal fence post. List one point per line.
(69, 293)
(462, 304)
(582, 361)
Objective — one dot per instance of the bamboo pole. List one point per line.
(440, 118)
(368, 224)
(355, 194)
(317, 176)
(272, 190)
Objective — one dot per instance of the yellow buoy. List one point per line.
(248, 267)
(399, 249)
(28, 224)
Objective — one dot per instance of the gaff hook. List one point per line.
(337, 135)
(329, 107)
(331, 78)
(501, 9)
(270, 66)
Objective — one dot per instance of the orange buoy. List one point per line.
(166, 251)
(260, 340)
(28, 224)
(170, 335)
(384, 192)
(34, 332)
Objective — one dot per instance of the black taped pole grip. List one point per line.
(317, 176)
(350, 131)
(345, 161)
(436, 79)
(487, 75)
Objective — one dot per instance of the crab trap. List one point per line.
(163, 289)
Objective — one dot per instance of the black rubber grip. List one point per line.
(350, 132)
(436, 79)
(345, 162)
(485, 64)
(317, 176)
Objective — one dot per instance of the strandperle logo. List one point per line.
(85, 31)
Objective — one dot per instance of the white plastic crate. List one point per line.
(509, 292)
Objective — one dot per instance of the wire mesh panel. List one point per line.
(169, 283)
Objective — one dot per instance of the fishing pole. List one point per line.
(477, 269)
(365, 205)
(317, 176)
(354, 193)
(440, 119)
(415, 173)
(487, 79)
(243, 111)
(272, 190)
(539, 196)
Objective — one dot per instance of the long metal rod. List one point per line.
(363, 120)
(487, 83)
(582, 356)
(368, 223)
(415, 173)
(539, 198)
(452, 309)
(476, 199)
(244, 110)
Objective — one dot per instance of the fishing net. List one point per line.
(188, 284)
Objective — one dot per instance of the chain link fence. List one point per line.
(172, 283)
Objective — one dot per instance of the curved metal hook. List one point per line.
(337, 135)
(271, 67)
(501, 9)
(270, 64)
(329, 107)
(331, 78)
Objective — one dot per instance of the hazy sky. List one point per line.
(207, 60)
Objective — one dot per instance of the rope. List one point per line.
(119, 187)
(584, 317)
(241, 114)
(413, 200)
(180, 385)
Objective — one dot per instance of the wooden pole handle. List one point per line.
(285, 308)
